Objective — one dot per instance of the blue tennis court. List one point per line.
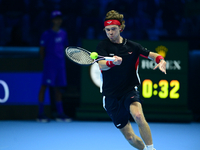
(81, 135)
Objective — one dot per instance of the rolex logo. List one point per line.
(162, 50)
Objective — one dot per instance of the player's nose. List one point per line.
(110, 32)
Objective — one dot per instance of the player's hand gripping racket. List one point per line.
(83, 57)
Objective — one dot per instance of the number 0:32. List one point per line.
(161, 89)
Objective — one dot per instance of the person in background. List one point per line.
(52, 45)
(16, 38)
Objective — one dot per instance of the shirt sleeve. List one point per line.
(43, 39)
(101, 49)
(143, 51)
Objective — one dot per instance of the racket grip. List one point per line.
(109, 58)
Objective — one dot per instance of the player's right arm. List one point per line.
(105, 65)
(102, 65)
(42, 52)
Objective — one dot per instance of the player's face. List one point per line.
(57, 21)
(112, 32)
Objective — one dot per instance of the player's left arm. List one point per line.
(161, 63)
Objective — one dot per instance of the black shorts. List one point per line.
(119, 108)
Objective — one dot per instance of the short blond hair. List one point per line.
(114, 15)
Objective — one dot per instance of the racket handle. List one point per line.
(109, 58)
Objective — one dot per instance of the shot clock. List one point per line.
(160, 89)
(163, 89)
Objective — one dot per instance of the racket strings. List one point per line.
(79, 56)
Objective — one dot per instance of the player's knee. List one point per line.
(129, 138)
(139, 118)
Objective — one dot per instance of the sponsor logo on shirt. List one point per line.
(130, 53)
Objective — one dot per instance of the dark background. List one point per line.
(23, 21)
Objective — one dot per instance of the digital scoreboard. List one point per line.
(149, 88)
(170, 89)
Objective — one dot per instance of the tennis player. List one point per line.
(52, 45)
(120, 80)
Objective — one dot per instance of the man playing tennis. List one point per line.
(120, 80)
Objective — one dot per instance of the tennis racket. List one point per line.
(82, 56)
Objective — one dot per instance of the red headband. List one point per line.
(112, 22)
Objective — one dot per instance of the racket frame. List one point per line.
(94, 60)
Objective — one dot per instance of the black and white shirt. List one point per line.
(121, 79)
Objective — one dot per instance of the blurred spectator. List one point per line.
(145, 19)
(173, 11)
(142, 20)
(16, 38)
(52, 5)
(192, 8)
(72, 18)
(14, 13)
(158, 30)
(91, 19)
(40, 19)
(52, 46)
(119, 5)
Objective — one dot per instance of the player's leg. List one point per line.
(47, 79)
(60, 81)
(120, 117)
(61, 116)
(42, 93)
(41, 116)
(58, 100)
(41, 100)
(145, 132)
(130, 136)
(58, 94)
